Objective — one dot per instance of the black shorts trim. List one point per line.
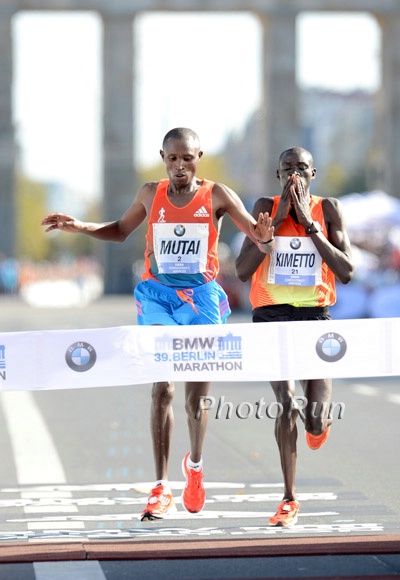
(287, 312)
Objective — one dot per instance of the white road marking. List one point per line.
(146, 487)
(35, 454)
(47, 522)
(393, 398)
(262, 485)
(139, 487)
(42, 495)
(370, 391)
(78, 525)
(264, 497)
(63, 503)
(149, 531)
(367, 390)
(48, 509)
(77, 570)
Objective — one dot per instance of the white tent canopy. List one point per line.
(371, 209)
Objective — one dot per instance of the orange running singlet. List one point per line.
(181, 243)
(294, 273)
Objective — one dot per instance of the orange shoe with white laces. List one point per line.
(160, 504)
(286, 515)
(316, 441)
(193, 495)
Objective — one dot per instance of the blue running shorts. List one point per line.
(159, 304)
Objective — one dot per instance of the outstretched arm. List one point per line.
(115, 231)
(257, 226)
(109, 231)
(251, 255)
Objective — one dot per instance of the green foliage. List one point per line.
(331, 185)
(355, 182)
(32, 241)
(338, 182)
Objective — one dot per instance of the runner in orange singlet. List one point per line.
(296, 281)
(184, 216)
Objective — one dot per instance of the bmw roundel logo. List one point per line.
(179, 230)
(295, 243)
(331, 347)
(80, 357)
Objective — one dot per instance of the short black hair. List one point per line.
(295, 150)
(180, 133)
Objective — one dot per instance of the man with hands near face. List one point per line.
(293, 278)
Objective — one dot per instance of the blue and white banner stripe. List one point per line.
(131, 355)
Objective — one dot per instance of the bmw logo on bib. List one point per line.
(295, 244)
(179, 230)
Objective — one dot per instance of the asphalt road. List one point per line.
(78, 464)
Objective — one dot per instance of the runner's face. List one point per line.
(296, 162)
(181, 158)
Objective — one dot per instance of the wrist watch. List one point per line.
(313, 229)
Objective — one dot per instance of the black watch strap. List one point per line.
(312, 229)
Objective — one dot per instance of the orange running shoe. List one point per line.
(286, 515)
(193, 495)
(316, 441)
(160, 504)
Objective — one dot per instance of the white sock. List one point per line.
(196, 466)
(163, 482)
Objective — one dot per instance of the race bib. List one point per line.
(295, 262)
(180, 248)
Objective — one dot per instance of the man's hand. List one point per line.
(263, 230)
(60, 221)
(300, 200)
(285, 202)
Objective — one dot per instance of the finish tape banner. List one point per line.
(133, 355)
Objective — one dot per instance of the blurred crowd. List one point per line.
(16, 275)
(373, 224)
(9, 275)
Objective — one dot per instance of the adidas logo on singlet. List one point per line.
(201, 212)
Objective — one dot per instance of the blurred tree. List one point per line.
(337, 181)
(32, 242)
(330, 184)
(356, 182)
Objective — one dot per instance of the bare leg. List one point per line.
(318, 393)
(162, 424)
(196, 418)
(286, 435)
